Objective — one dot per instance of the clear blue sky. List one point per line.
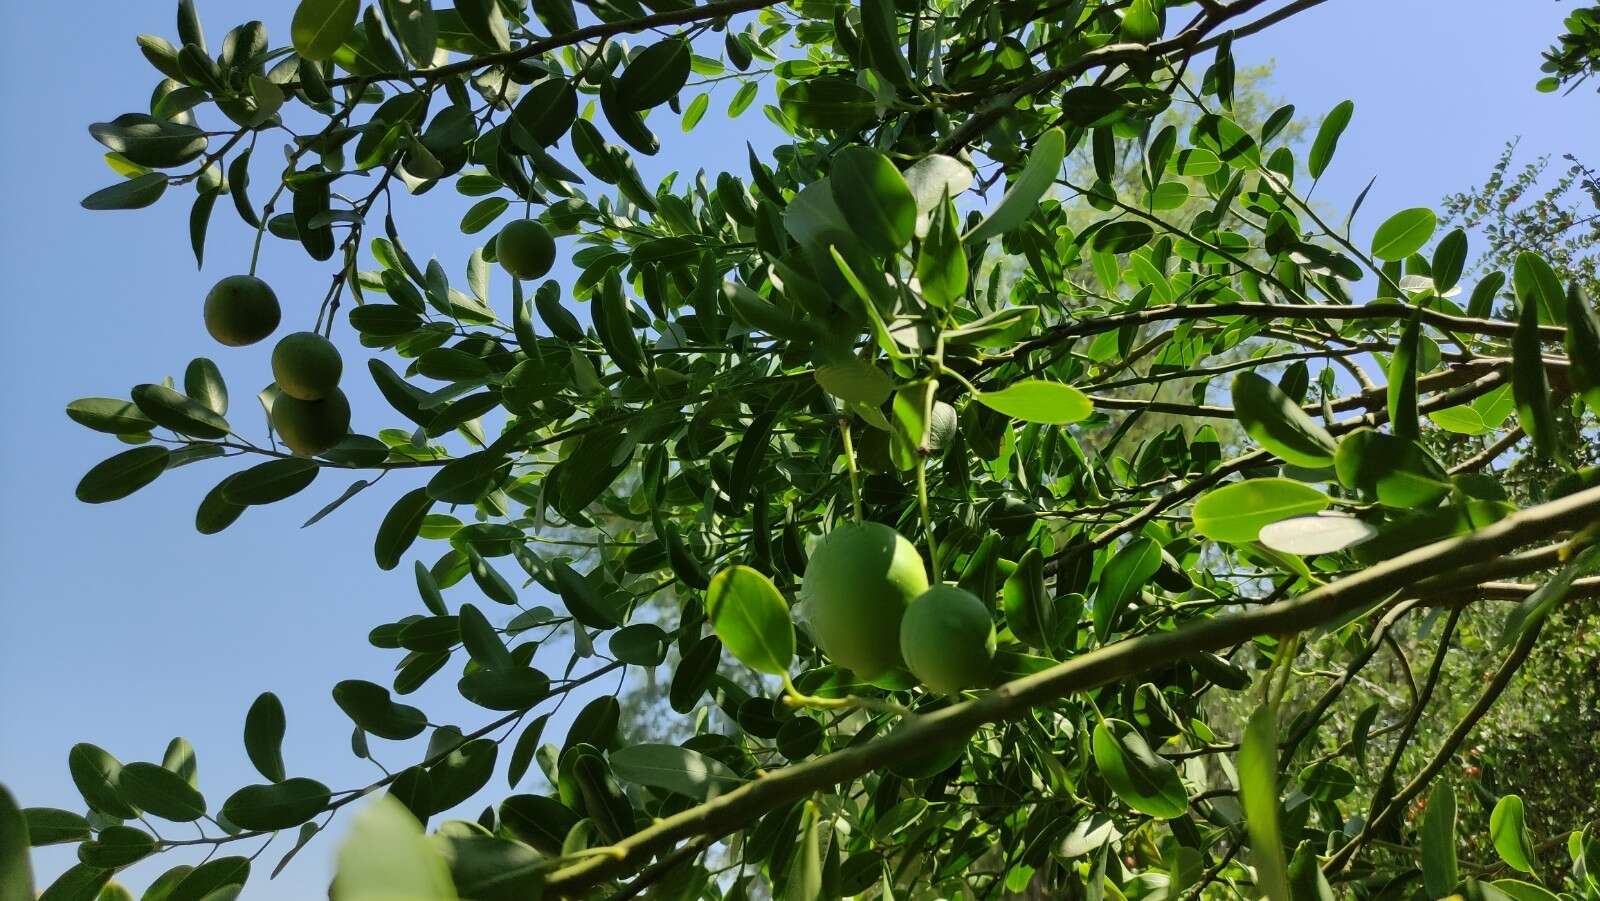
(120, 625)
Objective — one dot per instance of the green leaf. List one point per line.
(1036, 400)
(827, 104)
(1537, 285)
(1511, 838)
(695, 111)
(1439, 871)
(674, 769)
(462, 773)
(513, 689)
(1583, 348)
(202, 381)
(1020, 201)
(1327, 781)
(1141, 779)
(1533, 610)
(656, 75)
(1528, 385)
(1278, 424)
(854, 379)
(50, 826)
(319, 27)
(263, 735)
(1525, 891)
(270, 482)
(400, 527)
(369, 706)
(1403, 382)
(167, 407)
(1236, 513)
(387, 858)
(160, 791)
(484, 21)
(16, 872)
(942, 260)
(210, 876)
(1140, 24)
(80, 882)
(482, 214)
(751, 618)
(1257, 766)
(1134, 564)
(117, 846)
(1404, 233)
(278, 805)
(1125, 236)
(1327, 140)
(1449, 259)
(481, 640)
(1399, 472)
(880, 29)
(874, 198)
(1029, 609)
(545, 113)
(109, 415)
(121, 475)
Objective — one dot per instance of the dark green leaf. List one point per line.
(160, 791)
(121, 475)
(263, 735)
(270, 482)
(1327, 140)
(400, 527)
(279, 805)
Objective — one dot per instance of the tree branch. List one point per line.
(736, 809)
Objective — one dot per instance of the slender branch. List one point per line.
(733, 811)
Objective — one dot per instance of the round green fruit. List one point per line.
(857, 584)
(241, 309)
(525, 249)
(947, 639)
(307, 366)
(310, 427)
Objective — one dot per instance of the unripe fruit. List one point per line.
(310, 427)
(240, 310)
(857, 584)
(306, 366)
(947, 639)
(525, 249)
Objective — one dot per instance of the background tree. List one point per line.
(933, 633)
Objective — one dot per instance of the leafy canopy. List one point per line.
(919, 311)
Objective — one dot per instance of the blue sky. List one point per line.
(121, 625)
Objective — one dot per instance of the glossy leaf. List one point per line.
(752, 619)
(1140, 778)
(279, 805)
(1237, 513)
(1278, 424)
(1404, 233)
(1035, 400)
(1022, 198)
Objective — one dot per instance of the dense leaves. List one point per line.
(1028, 291)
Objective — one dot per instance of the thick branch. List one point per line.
(736, 809)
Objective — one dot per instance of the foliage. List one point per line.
(1170, 696)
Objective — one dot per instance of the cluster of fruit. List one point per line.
(866, 600)
(309, 412)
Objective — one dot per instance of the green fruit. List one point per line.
(525, 249)
(947, 639)
(310, 427)
(307, 366)
(857, 584)
(241, 309)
